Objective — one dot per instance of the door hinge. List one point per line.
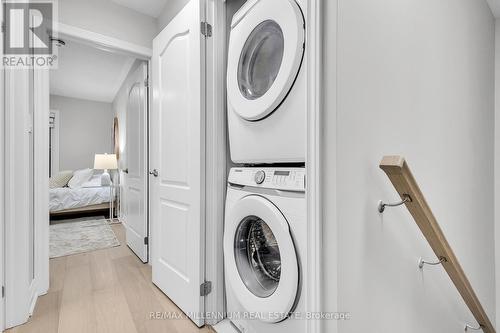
(205, 288)
(206, 29)
(146, 82)
(146, 240)
(3, 291)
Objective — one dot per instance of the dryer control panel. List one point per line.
(286, 179)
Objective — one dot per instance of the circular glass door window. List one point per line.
(260, 60)
(257, 257)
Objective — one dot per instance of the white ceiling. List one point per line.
(149, 7)
(495, 7)
(89, 73)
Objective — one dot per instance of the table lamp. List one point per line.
(105, 162)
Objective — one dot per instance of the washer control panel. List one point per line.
(287, 179)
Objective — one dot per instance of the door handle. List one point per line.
(125, 170)
(154, 173)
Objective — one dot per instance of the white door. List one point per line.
(136, 179)
(177, 160)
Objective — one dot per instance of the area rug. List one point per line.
(73, 237)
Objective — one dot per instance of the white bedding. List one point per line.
(68, 198)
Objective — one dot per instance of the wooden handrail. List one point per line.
(401, 177)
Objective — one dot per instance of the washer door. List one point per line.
(261, 262)
(265, 53)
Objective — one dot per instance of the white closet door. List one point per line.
(136, 186)
(177, 160)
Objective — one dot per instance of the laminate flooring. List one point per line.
(104, 291)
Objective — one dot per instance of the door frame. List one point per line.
(315, 163)
(216, 164)
(41, 184)
(109, 43)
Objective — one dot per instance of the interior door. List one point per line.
(136, 182)
(177, 160)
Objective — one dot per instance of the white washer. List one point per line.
(265, 236)
(266, 86)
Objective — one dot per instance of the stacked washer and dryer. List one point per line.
(265, 232)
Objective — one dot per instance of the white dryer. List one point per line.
(266, 88)
(265, 236)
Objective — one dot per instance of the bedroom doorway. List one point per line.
(98, 147)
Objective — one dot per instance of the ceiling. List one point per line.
(154, 7)
(495, 7)
(149, 7)
(89, 73)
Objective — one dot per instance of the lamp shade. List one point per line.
(105, 162)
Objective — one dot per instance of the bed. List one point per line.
(90, 198)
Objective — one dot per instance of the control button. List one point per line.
(260, 176)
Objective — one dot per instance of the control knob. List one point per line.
(260, 176)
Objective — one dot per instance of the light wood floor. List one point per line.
(104, 291)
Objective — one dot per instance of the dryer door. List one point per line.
(265, 53)
(261, 262)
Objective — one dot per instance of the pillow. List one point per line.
(80, 177)
(94, 181)
(61, 179)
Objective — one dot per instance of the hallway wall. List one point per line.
(172, 8)
(415, 78)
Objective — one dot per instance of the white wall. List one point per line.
(171, 9)
(416, 78)
(110, 19)
(85, 130)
